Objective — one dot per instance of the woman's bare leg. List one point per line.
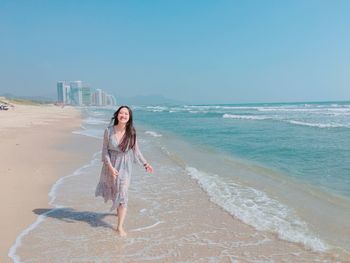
(121, 217)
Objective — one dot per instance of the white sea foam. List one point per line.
(18, 241)
(197, 111)
(95, 133)
(340, 124)
(286, 109)
(154, 134)
(257, 209)
(96, 113)
(244, 117)
(218, 107)
(41, 218)
(319, 125)
(313, 110)
(53, 192)
(146, 227)
(156, 108)
(95, 121)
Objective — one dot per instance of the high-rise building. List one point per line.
(76, 92)
(104, 98)
(67, 93)
(99, 97)
(79, 93)
(86, 95)
(111, 101)
(94, 98)
(61, 93)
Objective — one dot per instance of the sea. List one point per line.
(281, 168)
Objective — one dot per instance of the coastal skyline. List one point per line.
(79, 93)
(196, 52)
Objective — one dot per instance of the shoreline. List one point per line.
(36, 141)
(161, 223)
(311, 207)
(180, 151)
(178, 194)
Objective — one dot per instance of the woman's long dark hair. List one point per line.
(129, 138)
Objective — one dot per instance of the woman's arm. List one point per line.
(140, 159)
(106, 159)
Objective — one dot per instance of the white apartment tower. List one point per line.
(99, 97)
(111, 101)
(76, 92)
(81, 94)
(63, 92)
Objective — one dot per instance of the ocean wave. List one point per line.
(255, 208)
(154, 134)
(314, 110)
(218, 107)
(283, 119)
(318, 125)
(245, 117)
(156, 108)
(197, 111)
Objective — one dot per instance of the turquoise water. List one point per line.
(308, 141)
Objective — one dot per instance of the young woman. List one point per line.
(120, 149)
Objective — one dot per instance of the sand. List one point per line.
(37, 148)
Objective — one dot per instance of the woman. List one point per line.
(120, 149)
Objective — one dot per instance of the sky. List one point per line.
(193, 51)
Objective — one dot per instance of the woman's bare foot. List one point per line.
(121, 232)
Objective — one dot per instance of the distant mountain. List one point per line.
(147, 100)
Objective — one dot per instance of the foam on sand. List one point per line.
(52, 194)
(257, 209)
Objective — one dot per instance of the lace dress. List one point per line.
(108, 187)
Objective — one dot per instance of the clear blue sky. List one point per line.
(196, 51)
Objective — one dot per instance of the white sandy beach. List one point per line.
(37, 148)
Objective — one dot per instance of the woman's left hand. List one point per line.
(148, 168)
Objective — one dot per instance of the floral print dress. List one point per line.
(108, 187)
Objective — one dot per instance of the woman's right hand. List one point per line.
(113, 172)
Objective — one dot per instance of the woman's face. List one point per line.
(123, 115)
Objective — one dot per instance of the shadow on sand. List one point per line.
(70, 215)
